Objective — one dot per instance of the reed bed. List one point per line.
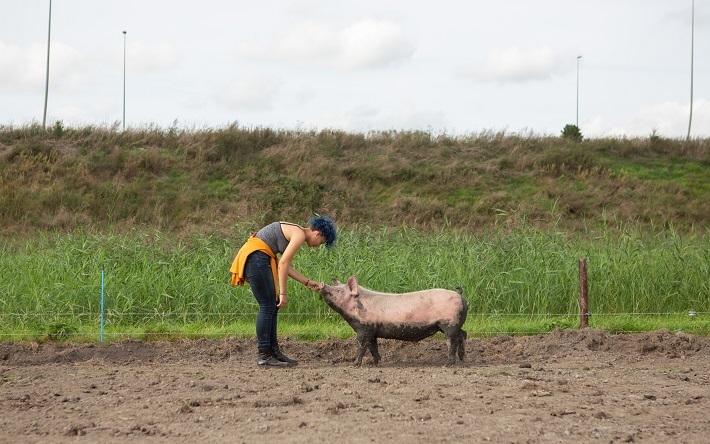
(156, 285)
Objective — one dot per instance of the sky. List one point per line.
(447, 67)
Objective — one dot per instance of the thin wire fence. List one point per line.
(142, 327)
(334, 315)
(154, 323)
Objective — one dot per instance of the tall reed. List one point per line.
(152, 278)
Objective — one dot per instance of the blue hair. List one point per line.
(326, 227)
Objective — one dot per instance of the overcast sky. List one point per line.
(454, 67)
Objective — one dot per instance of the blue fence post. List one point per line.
(101, 337)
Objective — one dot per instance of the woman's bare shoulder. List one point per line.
(289, 229)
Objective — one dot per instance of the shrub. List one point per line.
(572, 132)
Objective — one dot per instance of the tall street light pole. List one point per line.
(124, 80)
(46, 83)
(692, 41)
(577, 121)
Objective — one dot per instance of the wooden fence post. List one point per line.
(583, 295)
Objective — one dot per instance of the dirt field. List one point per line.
(568, 386)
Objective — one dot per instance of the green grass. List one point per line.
(504, 215)
(180, 181)
(160, 286)
(312, 329)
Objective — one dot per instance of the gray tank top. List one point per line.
(274, 237)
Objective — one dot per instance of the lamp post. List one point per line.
(46, 83)
(124, 80)
(577, 121)
(692, 41)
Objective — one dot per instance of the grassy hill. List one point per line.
(506, 216)
(211, 180)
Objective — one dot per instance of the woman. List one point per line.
(257, 263)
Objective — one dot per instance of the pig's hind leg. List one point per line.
(454, 342)
(462, 344)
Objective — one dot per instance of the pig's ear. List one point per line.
(352, 285)
(336, 282)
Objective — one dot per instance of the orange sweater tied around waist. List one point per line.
(252, 245)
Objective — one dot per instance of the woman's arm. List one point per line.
(312, 285)
(296, 238)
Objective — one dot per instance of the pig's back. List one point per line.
(420, 307)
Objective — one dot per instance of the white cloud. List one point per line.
(25, 67)
(373, 43)
(682, 17)
(70, 115)
(150, 58)
(20, 68)
(250, 91)
(309, 58)
(410, 116)
(308, 41)
(366, 118)
(353, 119)
(594, 127)
(668, 119)
(368, 43)
(516, 66)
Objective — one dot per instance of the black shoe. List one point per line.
(267, 359)
(281, 357)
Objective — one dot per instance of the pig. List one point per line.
(408, 316)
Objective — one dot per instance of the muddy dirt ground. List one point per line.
(567, 386)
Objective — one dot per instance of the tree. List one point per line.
(572, 132)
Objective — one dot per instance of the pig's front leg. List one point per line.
(363, 340)
(366, 340)
(372, 345)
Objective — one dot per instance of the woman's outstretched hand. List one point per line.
(315, 286)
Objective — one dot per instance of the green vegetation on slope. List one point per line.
(213, 179)
(504, 215)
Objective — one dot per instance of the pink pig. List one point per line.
(408, 316)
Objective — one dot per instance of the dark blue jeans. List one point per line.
(257, 272)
